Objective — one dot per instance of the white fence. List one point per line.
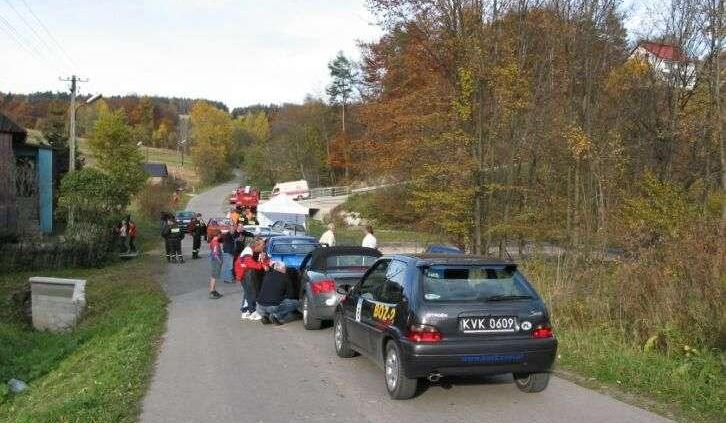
(318, 192)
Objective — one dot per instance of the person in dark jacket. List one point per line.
(198, 229)
(277, 299)
(173, 235)
(227, 240)
(166, 234)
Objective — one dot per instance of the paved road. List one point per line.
(214, 368)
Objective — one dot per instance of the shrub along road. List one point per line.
(212, 367)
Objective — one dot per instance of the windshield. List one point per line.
(473, 283)
(333, 262)
(221, 222)
(185, 215)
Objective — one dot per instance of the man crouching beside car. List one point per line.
(277, 300)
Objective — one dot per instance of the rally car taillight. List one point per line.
(323, 286)
(542, 332)
(423, 333)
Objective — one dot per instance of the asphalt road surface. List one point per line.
(214, 368)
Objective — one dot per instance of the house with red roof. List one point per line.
(668, 60)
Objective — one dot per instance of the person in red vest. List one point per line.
(132, 235)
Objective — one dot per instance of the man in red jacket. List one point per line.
(251, 261)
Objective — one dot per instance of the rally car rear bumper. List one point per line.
(478, 358)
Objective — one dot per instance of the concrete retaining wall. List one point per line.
(57, 303)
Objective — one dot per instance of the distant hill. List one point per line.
(29, 109)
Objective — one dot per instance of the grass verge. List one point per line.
(354, 236)
(688, 387)
(99, 371)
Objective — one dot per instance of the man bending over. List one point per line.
(277, 299)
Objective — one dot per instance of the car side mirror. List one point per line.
(342, 289)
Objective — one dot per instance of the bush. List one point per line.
(56, 255)
(388, 208)
(153, 199)
(671, 294)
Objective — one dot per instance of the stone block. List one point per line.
(57, 303)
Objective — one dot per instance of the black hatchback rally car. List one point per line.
(432, 316)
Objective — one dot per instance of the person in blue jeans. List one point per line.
(228, 256)
(277, 300)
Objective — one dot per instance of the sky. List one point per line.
(240, 52)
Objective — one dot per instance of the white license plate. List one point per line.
(488, 324)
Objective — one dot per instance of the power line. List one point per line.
(50, 34)
(40, 41)
(28, 47)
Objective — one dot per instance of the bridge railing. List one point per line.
(318, 192)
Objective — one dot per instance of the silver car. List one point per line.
(322, 271)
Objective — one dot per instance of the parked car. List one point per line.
(432, 316)
(322, 271)
(262, 231)
(183, 218)
(218, 225)
(288, 228)
(290, 249)
(294, 189)
(442, 249)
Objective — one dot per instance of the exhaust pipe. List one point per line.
(434, 377)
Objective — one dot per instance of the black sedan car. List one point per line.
(432, 316)
(322, 271)
(183, 219)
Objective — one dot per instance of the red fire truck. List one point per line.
(245, 198)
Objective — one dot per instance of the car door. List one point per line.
(360, 301)
(383, 308)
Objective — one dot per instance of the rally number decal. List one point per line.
(384, 312)
(358, 308)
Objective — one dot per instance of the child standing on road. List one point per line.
(215, 262)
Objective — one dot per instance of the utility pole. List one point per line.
(74, 80)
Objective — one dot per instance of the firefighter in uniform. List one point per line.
(198, 229)
(166, 234)
(176, 236)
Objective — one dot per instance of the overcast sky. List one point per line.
(240, 52)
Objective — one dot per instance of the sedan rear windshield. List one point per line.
(342, 261)
(473, 283)
(293, 248)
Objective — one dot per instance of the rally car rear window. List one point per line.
(472, 283)
(294, 248)
(333, 262)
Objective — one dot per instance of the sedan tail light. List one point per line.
(423, 333)
(542, 332)
(323, 286)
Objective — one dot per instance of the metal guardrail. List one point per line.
(318, 192)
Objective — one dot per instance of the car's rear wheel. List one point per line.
(398, 385)
(531, 382)
(340, 336)
(310, 319)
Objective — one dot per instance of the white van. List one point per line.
(295, 189)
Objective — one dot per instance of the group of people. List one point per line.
(268, 292)
(173, 235)
(126, 232)
(369, 240)
(245, 217)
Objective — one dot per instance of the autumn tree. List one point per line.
(54, 126)
(112, 144)
(211, 140)
(344, 75)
